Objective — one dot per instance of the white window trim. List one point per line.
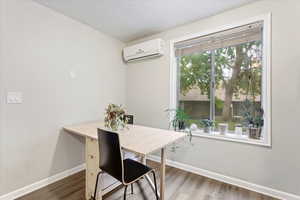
(266, 80)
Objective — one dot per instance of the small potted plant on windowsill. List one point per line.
(223, 128)
(255, 123)
(207, 125)
(238, 129)
(179, 120)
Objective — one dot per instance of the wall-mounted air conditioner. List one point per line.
(149, 49)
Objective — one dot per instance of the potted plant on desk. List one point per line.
(115, 117)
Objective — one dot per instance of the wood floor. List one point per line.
(180, 186)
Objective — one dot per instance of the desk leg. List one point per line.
(92, 168)
(162, 174)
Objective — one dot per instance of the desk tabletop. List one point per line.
(139, 139)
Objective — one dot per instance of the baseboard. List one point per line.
(42, 183)
(230, 180)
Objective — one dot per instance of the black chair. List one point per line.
(129, 119)
(126, 171)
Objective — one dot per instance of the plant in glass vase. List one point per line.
(115, 117)
(179, 120)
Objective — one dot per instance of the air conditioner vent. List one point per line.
(149, 49)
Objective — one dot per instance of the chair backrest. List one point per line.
(129, 119)
(111, 160)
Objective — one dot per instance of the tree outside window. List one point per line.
(220, 83)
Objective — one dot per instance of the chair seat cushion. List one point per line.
(133, 170)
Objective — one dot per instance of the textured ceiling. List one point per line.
(131, 19)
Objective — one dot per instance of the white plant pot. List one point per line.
(223, 127)
(238, 130)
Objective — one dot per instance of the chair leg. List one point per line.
(154, 178)
(125, 192)
(96, 187)
(131, 188)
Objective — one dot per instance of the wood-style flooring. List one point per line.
(180, 185)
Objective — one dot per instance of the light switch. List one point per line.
(73, 74)
(14, 98)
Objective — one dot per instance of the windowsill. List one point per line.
(231, 137)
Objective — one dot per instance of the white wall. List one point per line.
(277, 167)
(1, 94)
(41, 48)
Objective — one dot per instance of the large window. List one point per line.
(222, 83)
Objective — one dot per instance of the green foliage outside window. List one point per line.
(238, 71)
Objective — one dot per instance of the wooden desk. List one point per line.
(138, 139)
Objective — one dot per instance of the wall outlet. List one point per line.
(14, 98)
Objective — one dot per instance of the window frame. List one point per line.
(266, 78)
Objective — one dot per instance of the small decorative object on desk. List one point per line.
(115, 117)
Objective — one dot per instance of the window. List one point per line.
(221, 81)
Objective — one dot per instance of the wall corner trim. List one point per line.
(230, 180)
(42, 183)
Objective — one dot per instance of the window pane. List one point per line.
(195, 80)
(238, 84)
(221, 80)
